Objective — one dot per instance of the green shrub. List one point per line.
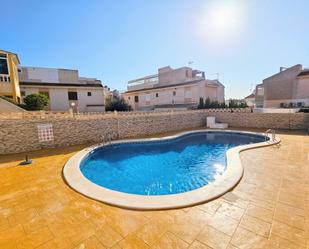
(35, 101)
(201, 103)
(116, 104)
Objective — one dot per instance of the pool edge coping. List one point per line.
(227, 181)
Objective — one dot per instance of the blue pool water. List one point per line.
(163, 167)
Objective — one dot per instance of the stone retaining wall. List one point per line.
(291, 121)
(22, 135)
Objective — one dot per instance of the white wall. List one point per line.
(200, 89)
(43, 74)
(96, 98)
(59, 100)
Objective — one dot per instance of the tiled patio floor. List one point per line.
(268, 209)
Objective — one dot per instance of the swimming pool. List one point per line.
(162, 173)
(163, 167)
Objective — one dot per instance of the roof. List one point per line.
(23, 83)
(304, 73)
(53, 68)
(252, 95)
(166, 86)
(297, 66)
(8, 52)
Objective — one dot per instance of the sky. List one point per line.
(241, 41)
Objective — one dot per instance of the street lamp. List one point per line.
(72, 107)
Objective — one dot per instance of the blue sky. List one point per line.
(115, 41)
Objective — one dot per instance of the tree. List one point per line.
(35, 101)
(201, 103)
(115, 103)
(243, 105)
(207, 103)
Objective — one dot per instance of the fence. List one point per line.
(20, 133)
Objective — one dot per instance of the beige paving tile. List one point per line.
(245, 239)
(292, 199)
(211, 207)
(198, 245)
(34, 224)
(4, 223)
(35, 239)
(90, 243)
(170, 241)
(290, 233)
(57, 243)
(196, 217)
(276, 242)
(213, 238)
(290, 215)
(230, 246)
(152, 232)
(231, 210)
(131, 223)
(133, 242)
(260, 213)
(223, 223)
(10, 237)
(236, 200)
(256, 225)
(107, 236)
(185, 230)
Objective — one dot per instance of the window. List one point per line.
(5, 79)
(147, 97)
(157, 95)
(136, 99)
(22, 93)
(260, 91)
(1, 78)
(72, 95)
(187, 74)
(129, 98)
(174, 93)
(89, 94)
(3, 66)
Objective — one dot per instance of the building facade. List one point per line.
(250, 100)
(64, 88)
(9, 82)
(288, 88)
(182, 87)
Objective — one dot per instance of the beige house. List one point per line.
(180, 87)
(64, 88)
(288, 88)
(250, 100)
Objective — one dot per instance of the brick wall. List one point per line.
(21, 135)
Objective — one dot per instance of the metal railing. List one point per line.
(273, 134)
(107, 138)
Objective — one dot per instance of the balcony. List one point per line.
(146, 82)
(4, 78)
